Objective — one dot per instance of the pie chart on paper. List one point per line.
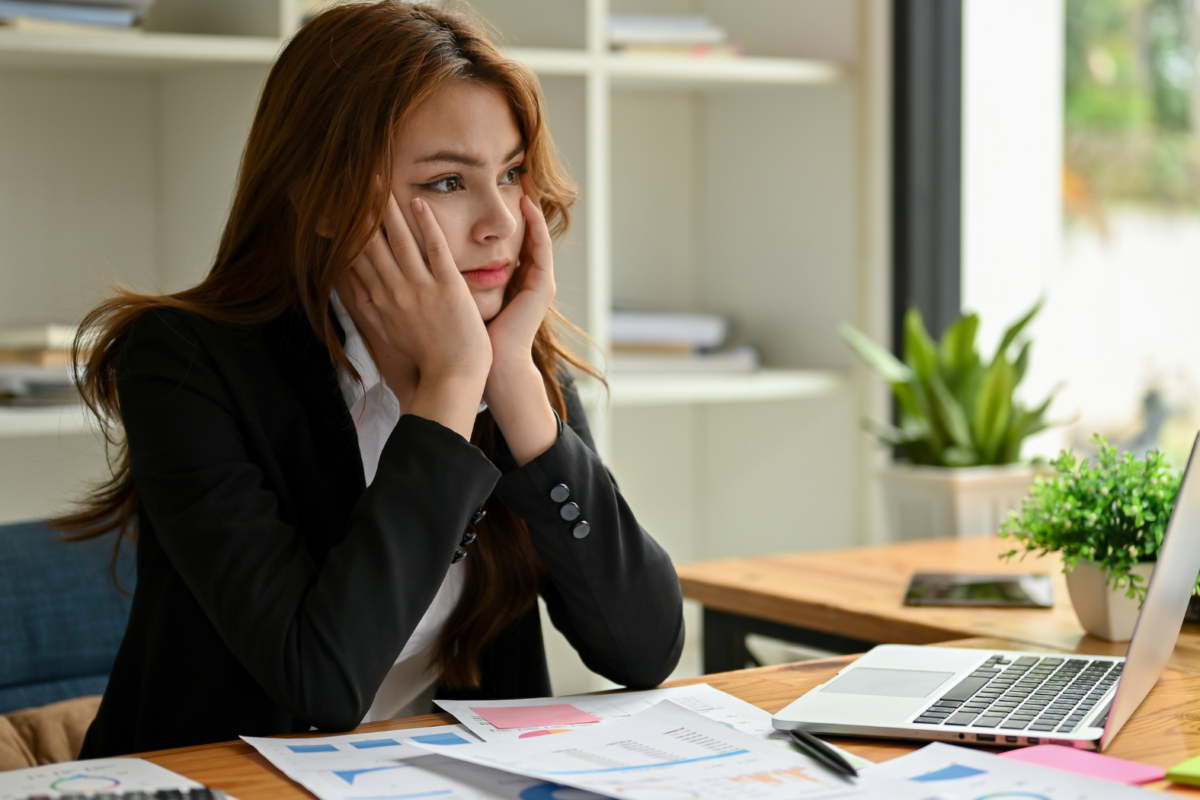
(546, 732)
(77, 784)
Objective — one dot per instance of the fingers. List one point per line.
(537, 236)
(537, 232)
(362, 298)
(441, 262)
(529, 189)
(404, 250)
(363, 270)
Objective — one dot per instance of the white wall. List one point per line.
(78, 208)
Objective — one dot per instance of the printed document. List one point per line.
(670, 751)
(381, 766)
(701, 698)
(956, 773)
(94, 776)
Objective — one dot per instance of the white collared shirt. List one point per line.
(408, 687)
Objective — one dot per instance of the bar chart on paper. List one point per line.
(381, 766)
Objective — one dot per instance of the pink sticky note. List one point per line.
(1085, 762)
(505, 717)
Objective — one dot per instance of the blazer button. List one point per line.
(459, 555)
(479, 515)
(560, 493)
(581, 529)
(467, 539)
(569, 512)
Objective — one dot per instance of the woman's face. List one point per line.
(461, 152)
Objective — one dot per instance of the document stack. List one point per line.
(661, 342)
(35, 366)
(672, 36)
(73, 16)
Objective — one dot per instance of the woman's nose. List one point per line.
(495, 220)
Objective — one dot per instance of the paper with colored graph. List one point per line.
(956, 773)
(703, 699)
(95, 776)
(548, 715)
(669, 751)
(380, 766)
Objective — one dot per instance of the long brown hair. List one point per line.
(322, 135)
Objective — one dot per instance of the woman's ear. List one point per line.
(295, 194)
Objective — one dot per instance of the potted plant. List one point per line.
(960, 427)
(1106, 520)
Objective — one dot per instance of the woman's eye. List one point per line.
(446, 185)
(513, 176)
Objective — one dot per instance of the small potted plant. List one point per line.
(959, 427)
(1106, 520)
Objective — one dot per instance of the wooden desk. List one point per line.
(849, 600)
(1164, 731)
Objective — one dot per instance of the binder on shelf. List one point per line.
(670, 36)
(100, 16)
(41, 345)
(730, 360)
(26, 385)
(38, 337)
(653, 29)
(639, 329)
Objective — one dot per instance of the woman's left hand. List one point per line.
(513, 329)
(515, 391)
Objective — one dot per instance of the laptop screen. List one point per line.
(1166, 602)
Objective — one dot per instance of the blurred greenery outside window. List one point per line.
(1130, 107)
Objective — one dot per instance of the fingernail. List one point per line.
(417, 205)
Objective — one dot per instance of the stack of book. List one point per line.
(35, 366)
(674, 35)
(73, 16)
(668, 343)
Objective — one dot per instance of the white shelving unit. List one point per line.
(634, 391)
(51, 421)
(157, 53)
(748, 187)
(134, 51)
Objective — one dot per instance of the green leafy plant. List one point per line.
(1112, 512)
(954, 409)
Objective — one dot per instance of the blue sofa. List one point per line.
(61, 616)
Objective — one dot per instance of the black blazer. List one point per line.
(275, 591)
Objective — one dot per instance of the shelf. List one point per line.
(152, 52)
(628, 391)
(546, 61)
(47, 421)
(633, 71)
(139, 52)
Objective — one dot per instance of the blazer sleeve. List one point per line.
(298, 627)
(613, 593)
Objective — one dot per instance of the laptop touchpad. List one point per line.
(888, 682)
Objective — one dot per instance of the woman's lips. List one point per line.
(488, 276)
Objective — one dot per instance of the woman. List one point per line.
(365, 390)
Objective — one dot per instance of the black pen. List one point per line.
(823, 753)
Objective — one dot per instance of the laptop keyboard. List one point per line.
(1029, 693)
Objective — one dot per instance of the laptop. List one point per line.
(1016, 698)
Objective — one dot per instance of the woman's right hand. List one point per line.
(424, 309)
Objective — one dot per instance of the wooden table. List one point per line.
(1164, 731)
(849, 600)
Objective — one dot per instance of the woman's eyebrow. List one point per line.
(449, 156)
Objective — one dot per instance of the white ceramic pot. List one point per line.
(939, 502)
(1104, 613)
